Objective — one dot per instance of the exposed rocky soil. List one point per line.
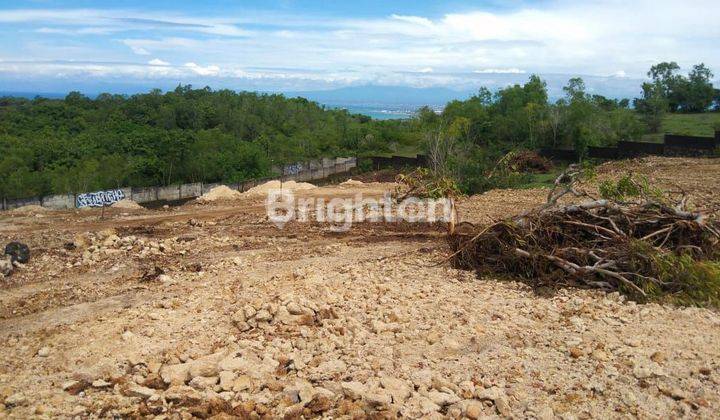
(209, 310)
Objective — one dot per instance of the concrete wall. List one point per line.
(309, 171)
(143, 195)
(191, 190)
(13, 204)
(59, 202)
(169, 193)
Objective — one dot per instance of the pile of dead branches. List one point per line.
(528, 161)
(639, 247)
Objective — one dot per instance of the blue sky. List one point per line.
(308, 45)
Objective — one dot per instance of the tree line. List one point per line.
(78, 144)
(669, 91)
(470, 136)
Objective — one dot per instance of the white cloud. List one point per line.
(562, 36)
(97, 21)
(500, 71)
(203, 71)
(158, 62)
(417, 20)
(140, 51)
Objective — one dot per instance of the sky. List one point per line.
(305, 45)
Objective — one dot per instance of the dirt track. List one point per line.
(250, 320)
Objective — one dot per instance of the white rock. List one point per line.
(473, 410)
(263, 316)
(418, 406)
(16, 399)
(491, 394)
(443, 398)
(139, 391)
(242, 383)
(332, 367)
(422, 378)
(207, 365)
(378, 398)
(203, 382)
(101, 383)
(227, 380)
(398, 389)
(353, 390)
(175, 374)
(44, 352)
(295, 309)
(642, 372)
(232, 363)
(6, 266)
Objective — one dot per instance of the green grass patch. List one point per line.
(702, 125)
(540, 180)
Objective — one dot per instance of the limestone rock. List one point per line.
(473, 410)
(206, 366)
(16, 399)
(227, 380)
(353, 390)
(175, 374)
(378, 398)
(398, 389)
(203, 382)
(422, 378)
(443, 398)
(74, 387)
(139, 391)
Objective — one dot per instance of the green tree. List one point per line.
(652, 106)
(700, 89)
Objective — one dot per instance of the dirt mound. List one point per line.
(31, 209)
(276, 185)
(383, 175)
(127, 204)
(222, 192)
(351, 182)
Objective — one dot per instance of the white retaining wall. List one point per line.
(311, 170)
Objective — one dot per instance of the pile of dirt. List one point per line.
(30, 209)
(127, 204)
(382, 175)
(221, 193)
(351, 183)
(263, 189)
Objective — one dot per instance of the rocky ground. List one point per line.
(209, 310)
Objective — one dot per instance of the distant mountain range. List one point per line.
(384, 95)
(400, 101)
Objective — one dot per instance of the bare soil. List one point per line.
(210, 310)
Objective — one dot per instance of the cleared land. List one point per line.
(249, 320)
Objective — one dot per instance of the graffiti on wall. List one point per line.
(293, 169)
(99, 198)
